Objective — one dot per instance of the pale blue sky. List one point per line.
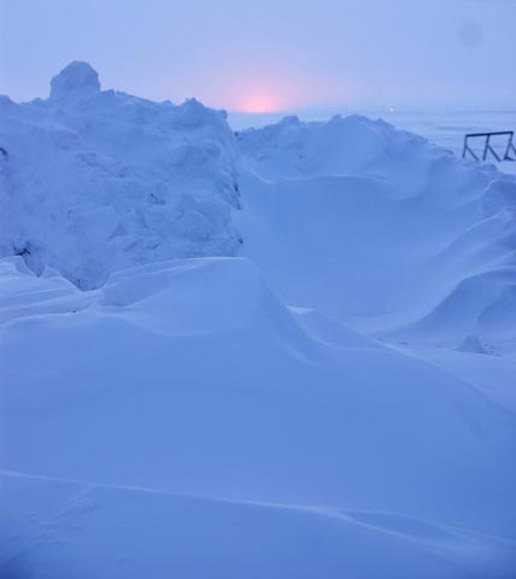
(270, 54)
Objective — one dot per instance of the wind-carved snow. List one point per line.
(337, 400)
(98, 181)
(190, 379)
(379, 229)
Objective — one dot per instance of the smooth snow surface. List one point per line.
(337, 400)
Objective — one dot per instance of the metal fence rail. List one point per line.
(488, 148)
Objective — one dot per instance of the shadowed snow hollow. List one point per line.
(98, 181)
(379, 229)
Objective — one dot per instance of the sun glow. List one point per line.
(272, 91)
(260, 104)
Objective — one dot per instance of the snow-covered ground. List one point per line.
(332, 397)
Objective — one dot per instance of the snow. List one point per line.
(77, 80)
(334, 213)
(332, 398)
(445, 128)
(116, 524)
(200, 382)
(116, 180)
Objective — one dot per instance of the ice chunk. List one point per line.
(76, 79)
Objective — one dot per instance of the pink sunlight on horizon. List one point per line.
(259, 104)
(270, 56)
(271, 92)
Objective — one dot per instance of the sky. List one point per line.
(270, 55)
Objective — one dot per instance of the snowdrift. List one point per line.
(378, 229)
(98, 181)
(288, 352)
(190, 377)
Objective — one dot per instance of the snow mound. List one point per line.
(197, 297)
(192, 377)
(76, 80)
(381, 230)
(98, 181)
(483, 304)
(341, 146)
